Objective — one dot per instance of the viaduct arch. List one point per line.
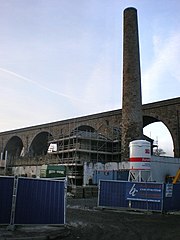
(167, 112)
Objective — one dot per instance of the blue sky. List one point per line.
(61, 59)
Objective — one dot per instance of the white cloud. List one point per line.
(39, 85)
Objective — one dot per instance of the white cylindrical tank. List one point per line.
(140, 155)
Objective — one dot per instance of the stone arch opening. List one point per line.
(84, 128)
(40, 144)
(159, 132)
(13, 148)
(88, 131)
(148, 120)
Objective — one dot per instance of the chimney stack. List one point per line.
(132, 121)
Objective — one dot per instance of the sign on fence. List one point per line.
(169, 190)
(149, 192)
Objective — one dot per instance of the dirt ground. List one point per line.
(85, 222)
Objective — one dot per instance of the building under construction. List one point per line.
(82, 147)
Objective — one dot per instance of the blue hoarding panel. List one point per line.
(112, 194)
(145, 205)
(6, 194)
(110, 175)
(123, 194)
(171, 197)
(104, 175)
(122, 175)
(176, 197)
(40, 202)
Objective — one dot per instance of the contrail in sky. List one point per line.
(38, 84)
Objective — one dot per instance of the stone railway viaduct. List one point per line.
(33, 141)
(29, 146)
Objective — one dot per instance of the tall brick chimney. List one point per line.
(132, 122)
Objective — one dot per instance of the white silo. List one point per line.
(140, 161)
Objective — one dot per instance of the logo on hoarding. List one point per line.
(133, 191)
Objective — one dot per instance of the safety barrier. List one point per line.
(32, 201)
(6, 195)
(131, 195)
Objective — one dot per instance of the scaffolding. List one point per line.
(83, 146)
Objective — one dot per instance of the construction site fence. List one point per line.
(146, 196)
(32, 201)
